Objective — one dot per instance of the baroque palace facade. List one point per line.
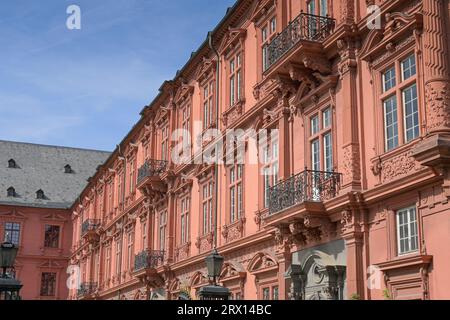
(353, 200)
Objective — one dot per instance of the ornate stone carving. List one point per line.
(438, 101)
(351, 164)
(398, 166)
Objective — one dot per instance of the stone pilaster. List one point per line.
(436, 59)
(350, 157)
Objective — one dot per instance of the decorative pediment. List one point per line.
(262, 262)
(204, 170)
(231, 272)
(184, 92)
(198, 279)
(162, 116)
(13, 214)
(206, 68)
(385, 41)
(182, 183)
(261, 9)
(232, 38)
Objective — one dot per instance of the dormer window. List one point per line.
(11, 192)
(40, 194)
(68, 169)
(12, 164)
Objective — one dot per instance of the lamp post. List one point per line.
(9, 287)
(214, 262)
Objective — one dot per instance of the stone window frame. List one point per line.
(238, 181)
(185, 197)
(318, 109)
(377, 69)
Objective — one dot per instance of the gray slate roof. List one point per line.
(42, 167)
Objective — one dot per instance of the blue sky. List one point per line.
(85, 88)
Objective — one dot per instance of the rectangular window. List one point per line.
(51, 239)
(328, 152)
(275, 293)
(407, 234)
(12, 232)
(118, 257)
(235, 79)
(132, 176)
(268, 32)
(314, 125)
(389, 80)
(184, 216)
(315, 155)
(48, 284)
(323, 8)
(207, 199)
(208, 104)
(130, 250)
(108, 263)
(411, 112)
(390, 122)
(326, 118)
(164, 143)
(266, 294)
(162, 230)
(400, 103)
(409, 67)
(235, 189)
(144, 236)
(271, 168)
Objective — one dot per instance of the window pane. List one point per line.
(407, 230)
(389, 80)
(409, 67)
(328, 152)
(411, 112)
(12, 232)
(391, 126)
(51, 236)
(323, 7)
(275, 293)
(314, 125)
(273, 25)
(326, 118)
(315, 155)
(266, 294)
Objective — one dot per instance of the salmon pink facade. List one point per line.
(350, 199)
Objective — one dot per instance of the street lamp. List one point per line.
(9, 287)
(214, 263)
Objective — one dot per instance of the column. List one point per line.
(436, 60)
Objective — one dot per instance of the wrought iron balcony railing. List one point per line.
(151, 168)
(87, 288)
(304, 27)
(148, 259)
(89, 225)
(307, 186)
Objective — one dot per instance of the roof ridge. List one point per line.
(53, 146)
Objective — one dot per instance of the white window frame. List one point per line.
(408, 224)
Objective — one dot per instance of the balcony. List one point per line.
(148, 259)
(305, 27)
(149, 174)
(87, 290)
(306, 187)
(89, 228)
